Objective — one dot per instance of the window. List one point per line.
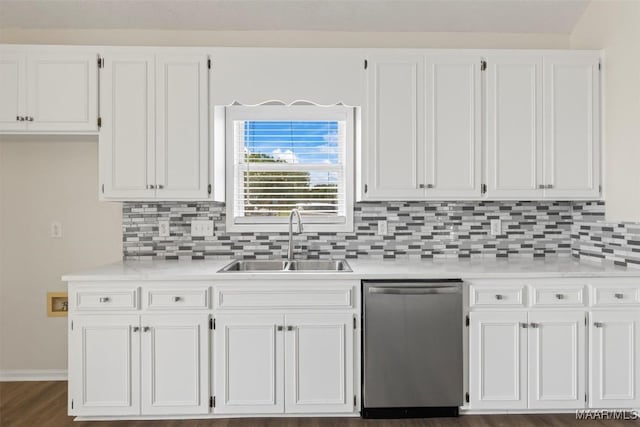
(281, 158)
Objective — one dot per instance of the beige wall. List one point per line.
(40, 182)
(53, 180)
(615, 27)
(285, 39)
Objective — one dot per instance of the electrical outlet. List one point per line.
(202, 228)
(382, 228)
(496, 227)
(163, 228)
(56, 230)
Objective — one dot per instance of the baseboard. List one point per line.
(33, 375)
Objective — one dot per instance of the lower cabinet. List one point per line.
(522, 360)
(276, 363)
(614, 355)
(132, 365)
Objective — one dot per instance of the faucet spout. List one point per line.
(294, 212)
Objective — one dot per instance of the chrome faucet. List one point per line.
(295, 212)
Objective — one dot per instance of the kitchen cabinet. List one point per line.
(48, 91)
(155, 136)
(571, 126)
(498, 360)
(293, 363)
(556, 359)
(514, 126)
(124, 364)
(424, 127)
(614, 358)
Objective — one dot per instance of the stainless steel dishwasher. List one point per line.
(412, 348)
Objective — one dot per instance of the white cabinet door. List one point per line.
(514, 126)
(498, 360)
(127, 137)
(394, 145)
(13, 91)
(104, 365)
(175, 364)
(319, 363)
(62, 92)
(453, 126)
(571, 127)
(556, 360)
(614, 359)
(249, 364)
(182, 126)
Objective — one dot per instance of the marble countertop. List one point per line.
(362, 269)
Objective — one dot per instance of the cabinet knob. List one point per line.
(541, 186)
(550, 186)
(598, 324)
(559, 296)
(499, 297)
(29, 119)
(524, 325)
(20, 118)
(279, 327)
(146, 329)
(618, 295)
(290, 328)
(176, 299)
(421, 186)
(104, 299)
(160, 186)
(150, 187)
(136, 328)
(429, 185)
(535, 325)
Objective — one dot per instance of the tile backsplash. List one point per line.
(415, 230)
(610, 243)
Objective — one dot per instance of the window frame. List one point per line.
(304, 112)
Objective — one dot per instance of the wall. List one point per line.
(416, 230)
(285, 39)
(41, 181)
(615, 27)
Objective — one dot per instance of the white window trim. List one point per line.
(283, 113)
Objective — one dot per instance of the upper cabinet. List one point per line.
(424, 116)
(154, 141)
(48, 92)
(423, 120)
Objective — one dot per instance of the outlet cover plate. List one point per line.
(202, 228)
(163, 228)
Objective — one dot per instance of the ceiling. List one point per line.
(498, 16)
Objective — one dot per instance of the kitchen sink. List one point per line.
(284, 266)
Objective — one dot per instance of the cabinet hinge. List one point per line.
(483, 65)
(100, 62)
(600, 188)
(366, 188)
(483, 188)
(599, 65)
(99, 122)
(355, 326)
(466, 320)
(355, 400)
(212, 324)
(72, 325)
(71, 403)
(102, 188)
(366, 64)
(209, 189)
(209, 63)
(586, 398)
(466, 397)
(212, 401)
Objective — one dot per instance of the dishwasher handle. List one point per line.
(414, 290)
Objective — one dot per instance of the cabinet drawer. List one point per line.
(176, 299)
(109, 299)
(557, 296)
(508, 296)
(284, 297)
(616, 295)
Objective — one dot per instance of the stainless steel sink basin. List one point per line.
(278, 266)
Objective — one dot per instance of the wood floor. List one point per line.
(40, 404)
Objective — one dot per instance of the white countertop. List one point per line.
(362, 269)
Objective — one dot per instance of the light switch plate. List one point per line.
(56, 230)
(163, 228)
(496, 227)
(382, 228)
(202, 228)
